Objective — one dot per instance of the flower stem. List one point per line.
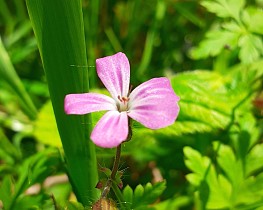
(116, 162)
(114, 171)
(111, 182)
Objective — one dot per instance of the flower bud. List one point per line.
(104, 204)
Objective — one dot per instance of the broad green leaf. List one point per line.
(209, 102)
(46, 130)
(59, 29)
(224, 8)
(205, 103)
(45, 127)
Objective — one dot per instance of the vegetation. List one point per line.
(210, 158)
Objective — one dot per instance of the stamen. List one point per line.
(120, 98)
(125, 99)
(123, 104)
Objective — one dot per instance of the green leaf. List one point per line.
(143, 196)
(175, 203)
(223, 189)
(8, 152)
(251, 48)
(232, 167)
(74, 206)
(8, 74)
(152, 192)
(196, 163)
(213, 191)
(254, 159)
(250, 191)
(33, 202)
(214, 43)
(138, 193)
(33, 170)
(206, 103)
(128, 195)
(45, 127)
(6, 190)
(58, 26)
(224, 8)
(252, 17)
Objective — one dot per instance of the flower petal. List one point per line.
(88, 102)
(154, 103)
(114, 72)
(111, 130)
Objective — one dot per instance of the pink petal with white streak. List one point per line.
(154, 104)
(114, 72)
(87, 102)
(111, 130)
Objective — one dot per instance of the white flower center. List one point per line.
(123, 103)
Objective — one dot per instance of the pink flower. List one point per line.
(153, 103)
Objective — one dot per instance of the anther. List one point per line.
(125, 99)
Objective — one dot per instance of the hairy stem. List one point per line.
(111, 179)
(116, 162)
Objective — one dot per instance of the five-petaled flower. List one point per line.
(153, 103)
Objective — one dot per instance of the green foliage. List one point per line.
(32, 171)
(217, 135)
(209, 100)
(143, 197)
(9, 75)
(230, 184)
(238, 32)
(45, 126)
(225, 8)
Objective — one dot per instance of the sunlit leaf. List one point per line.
(224, 8)
(46, 128)
(251, 48)
(214, 43)
(252, 17)
(205, 103)
(223, 189)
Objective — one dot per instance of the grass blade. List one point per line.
(58, 26)
(8, 74)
